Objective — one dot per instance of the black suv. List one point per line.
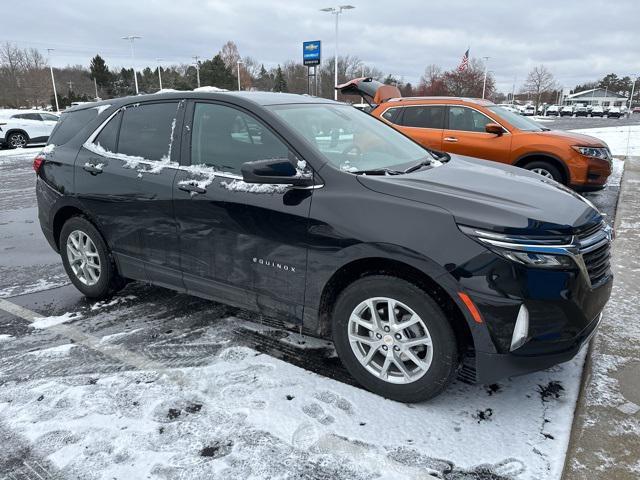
(419, 266)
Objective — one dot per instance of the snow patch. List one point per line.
(622, 141)
(242, 186)
(59, 350)
(5, 337)
(101, 108)
(47, 322)
(209, 89)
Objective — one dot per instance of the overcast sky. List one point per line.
(578, 40)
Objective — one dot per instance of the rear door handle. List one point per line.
(450, 139)
(191, 188)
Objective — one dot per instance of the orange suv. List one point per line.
(479, 128)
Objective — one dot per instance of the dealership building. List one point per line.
(596, 96)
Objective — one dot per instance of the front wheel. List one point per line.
(394, 339)
(545, 169)
(87, 260)
(17, 140)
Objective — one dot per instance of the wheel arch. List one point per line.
(368, 266)
(16, 130)
(528, 158)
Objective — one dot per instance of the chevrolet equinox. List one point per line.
(420, 266)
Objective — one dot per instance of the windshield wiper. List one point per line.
(378, 171)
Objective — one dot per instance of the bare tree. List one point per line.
(539, 81)
(230, 55)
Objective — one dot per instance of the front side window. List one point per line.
(426, 116)
(517, 120)
(146, 130)
(349, 139)
(225, 138)
(32, 116)
(467, 120)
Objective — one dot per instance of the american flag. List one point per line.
(464, 63)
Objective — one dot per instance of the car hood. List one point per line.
(492, 196)
(570, 137)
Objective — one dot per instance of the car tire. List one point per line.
(430, 374)
(545, 169)
(87, 259)
(17, 140)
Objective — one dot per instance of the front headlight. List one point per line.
(601, 153)
(534, 251)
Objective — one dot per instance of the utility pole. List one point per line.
(159, 72)
(53, 81)
(95, 85)
(633, 89)
(336, 11)
(239, 62)
(196, 58)
(133, 38)
(484, 83)
(70, 86)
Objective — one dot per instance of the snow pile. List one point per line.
(5, 337)
(622, 141)
(47, 322)
(53, 351)
(208, 89)
(242, 186)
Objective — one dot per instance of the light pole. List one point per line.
(239, 62)
(336, 11)
(159, 72)
(484, 83)
(133, 38)
(196, 58)
(633, 89)
(53, 81)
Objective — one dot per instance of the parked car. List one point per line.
(581, 112)
(635, 110)
(566, 111)
(446, 282)
(479, 128)
(552, 110)
(614, 112)
(597, 111)
(529, 110)
(21, 129)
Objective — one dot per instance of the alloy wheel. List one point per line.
(83, 257)
(543, 171)
(17, 140)
(390, 340)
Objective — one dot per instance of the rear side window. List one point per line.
(427, 116)
(225, 138)
(146, 130)
(108, 136)
(70, 124)
(392, 115)
(48, 117)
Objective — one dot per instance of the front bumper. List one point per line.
(491, 367)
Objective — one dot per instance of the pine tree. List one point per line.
(100, 71)
(216, 74)
(279, 82)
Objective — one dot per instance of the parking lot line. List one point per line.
(116, 352)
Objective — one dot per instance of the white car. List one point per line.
(529, 110)
(23, 128)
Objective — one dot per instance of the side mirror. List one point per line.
(493, 128)
(274, 171)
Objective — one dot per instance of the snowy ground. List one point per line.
(623, 141)
(155, 384)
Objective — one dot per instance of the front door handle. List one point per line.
(191, 188)
(92, 168)
(450, 139)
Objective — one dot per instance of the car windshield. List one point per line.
(349, 139)
(518, 121)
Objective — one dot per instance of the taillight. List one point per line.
(37, 163)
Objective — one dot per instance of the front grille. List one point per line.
(595, 248)
(598, 263)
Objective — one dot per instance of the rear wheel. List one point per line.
(545, 169)
(394, 339)
(17, 140)
(87, 260)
